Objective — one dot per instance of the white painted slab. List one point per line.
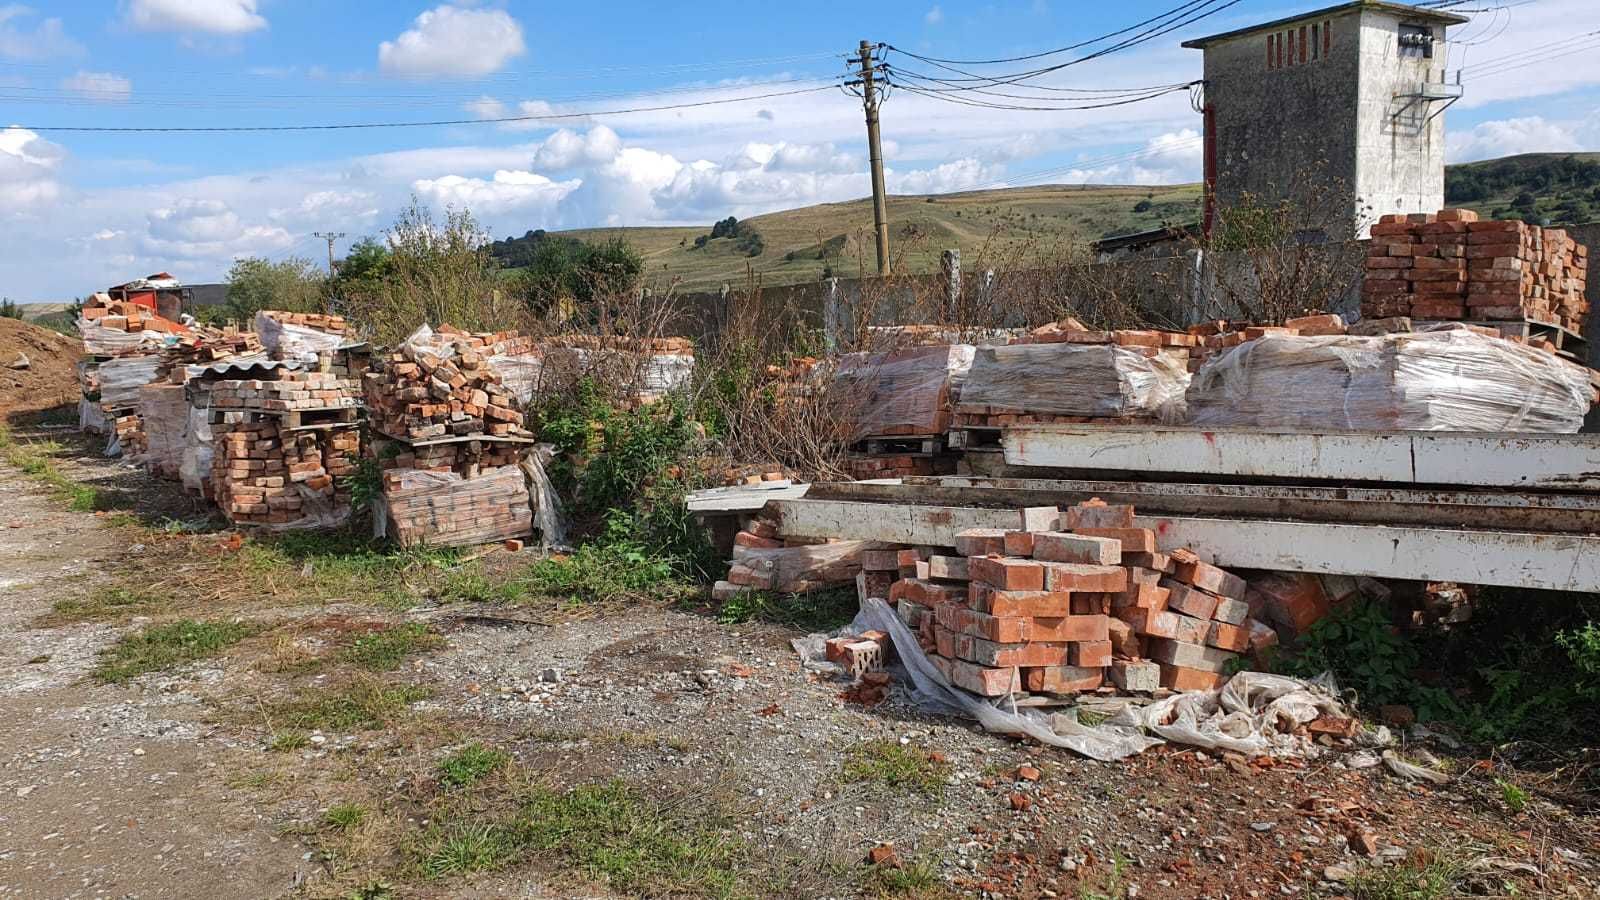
(1511, 559)
(896, 523)
(743, 498)
(1567, 461)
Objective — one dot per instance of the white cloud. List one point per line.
(449, 40)
(195, 228)
(935, 16)
(527, 193)
(210, 16)
(1171, 158)
(957, 175)
(486, 108)
(45, 41)
(1539, 54)
(568, 149)
(101, 86)
(1505, 137)
(28, 168)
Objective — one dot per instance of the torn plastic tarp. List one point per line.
(164, 414)
(1251, 714)
(1444, 379)
(1090, 380)
(99, 340)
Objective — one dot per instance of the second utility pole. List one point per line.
(880, 209)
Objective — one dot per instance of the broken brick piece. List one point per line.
(1057, 546)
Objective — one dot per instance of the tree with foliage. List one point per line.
(566, 269)
(9, 309)
(434, 272)
(295, 284)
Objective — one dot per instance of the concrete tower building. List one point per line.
(1340, 109)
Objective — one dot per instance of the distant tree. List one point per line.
(564, 268)
(9, 309)
(368, 258)
(295, 284)
(1142, 206)
(728, 227)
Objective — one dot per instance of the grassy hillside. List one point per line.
(1563, 188)
(803, 244)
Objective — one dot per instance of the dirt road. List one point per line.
(298, 761)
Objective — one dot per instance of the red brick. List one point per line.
(1018, 543)
(980, 541)
(1056, 546)
(1178, 678)
(1007, 574)
(1096, 515)
(1077, 577)
(1002, 629)
(993, 601)
(754, 542)
(1123, 641)
(1294, 600)
(982, 680)
(993, 653)
(1147, 596)
(1090, 654)
(1203, 575)
(1228, 637)
(1070, 628)
(1161, 562)
(1189, 600)
(1134, 540)
(1150, 622)
(1062, 679)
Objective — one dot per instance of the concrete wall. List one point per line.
(1399, 140)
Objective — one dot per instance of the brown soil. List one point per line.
(49, 380)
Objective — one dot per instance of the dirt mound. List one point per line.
(50, 378)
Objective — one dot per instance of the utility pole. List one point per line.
(330, 237)
(880, 210)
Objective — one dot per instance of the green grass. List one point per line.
(286, 741)
(917, 878)
(1111, 887)
(896, 765)
(345, 816)
(383, 651)
(109, 603)
(341, 566)
(818, 611)
(33, 458)
(604, 832)
(466, 766)
(599, 573)
(1435, 878)
(368, 703)
(1515, 798)
(165, 647)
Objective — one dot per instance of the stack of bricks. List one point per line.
(490, 507)
(1450, 266)
(861, 467)
(468, 460)
(264, 474)
(445, 388)
(204, 345)
(325, 323)
(292, 391)
(1069, 602)
(121, 315)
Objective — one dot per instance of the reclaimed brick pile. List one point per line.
(1451, 266)
(270, 466)
(435, 506)
(121, 315)
(1067, 602)
(440, 388)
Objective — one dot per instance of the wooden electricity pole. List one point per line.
(880, 210)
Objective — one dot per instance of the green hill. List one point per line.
(1002, 227)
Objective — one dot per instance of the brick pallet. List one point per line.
(438, 388)
(1451, 266)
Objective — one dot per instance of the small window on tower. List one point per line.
(1270, 44)
(1327, 37)
(1316, 42)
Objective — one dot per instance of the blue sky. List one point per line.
(79, 211)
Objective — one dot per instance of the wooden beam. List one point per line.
(1557, 461)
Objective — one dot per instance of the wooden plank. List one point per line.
(1510, 559)
(1564, 462)
(896, 523)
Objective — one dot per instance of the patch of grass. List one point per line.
(466, 766)
(619, 738)
(167, 646)
(601, 573)
(286, 741)
(382, 651)
(1515, 798)
(372, 890)
(471, 584)
(368, 703)
(607, 832)
(896, 765)
(345, 816)
(1113, 886)
(108, 603)
(1431, 877)
(33, 458)
(818, 611)
(339, 566)
(917, 878)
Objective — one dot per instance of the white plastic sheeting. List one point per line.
(519, 372)
(1090, 380)
(904, 389)
(1446, 379)
(121, 379)
(164, 412)
(443, 509)
(285, 341)
(194, 469)
(101, 341)
(91, 418)
(1253, 713)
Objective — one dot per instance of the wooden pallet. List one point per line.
(323, 418)
(900, 445)
(1564, 339)
(974, 437)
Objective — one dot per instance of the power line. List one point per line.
(1068, 48)
(496, 120)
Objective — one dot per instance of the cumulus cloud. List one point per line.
(28, 169)
(100, 86)
(1505, 137)
(210, 16)
(957, 175)
(195, 228)
(524, 192)
(934, 16)
(567, 149)
(1175, 157)
(452, 41)
(44, 40)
